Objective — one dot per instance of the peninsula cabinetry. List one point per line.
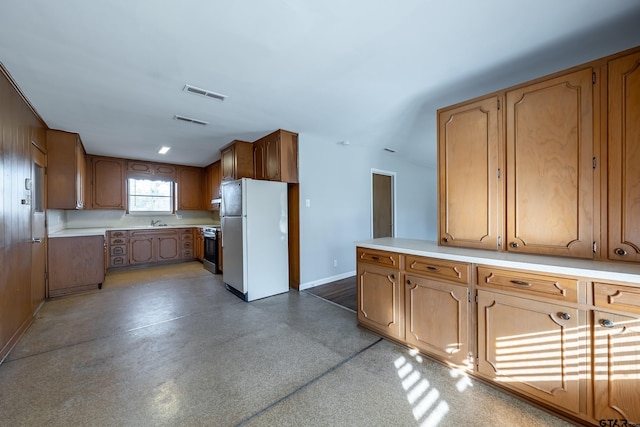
(76, 264)
(275, 157)
(531, 336)
(624, 158)
(108, 183)
(66, 171)
(236, 161)
(437, 304)
(380, 294)
(616, 352)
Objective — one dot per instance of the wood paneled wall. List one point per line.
(20, 126)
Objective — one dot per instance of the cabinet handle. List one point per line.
(565, 316)
(375, 258)
(445, 239)
(36, 240)
(521, 283)
(607, 323)
(432, 268)
(620, 251)
(514, 244)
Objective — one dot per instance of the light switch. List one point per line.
(307, 202)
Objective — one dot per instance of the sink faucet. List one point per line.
(154, 223)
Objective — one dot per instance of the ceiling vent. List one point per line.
(203, 92)
(390, 150)
(190, 120)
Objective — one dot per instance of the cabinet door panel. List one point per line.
(437, 318)
(168, 248)
(380, 306)
(141, 250)
(109, 183)
(617, 366)
(468, 163)
(624, 158)
(527, 345)
(549, 167)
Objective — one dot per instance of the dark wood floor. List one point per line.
(342, 292)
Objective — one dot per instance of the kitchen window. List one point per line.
(150, 196)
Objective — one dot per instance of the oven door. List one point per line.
(211, 253)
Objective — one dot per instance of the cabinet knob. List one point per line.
(565, 316)
(620, 251)
(393, 276)
(607, 323)
(514, 244)
(408, 282)
(445, 240)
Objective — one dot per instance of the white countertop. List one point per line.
(101, 231)
(600, 270)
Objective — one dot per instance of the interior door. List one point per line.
(36, 185)
(382, 205)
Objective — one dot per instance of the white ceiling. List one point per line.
(368, 71)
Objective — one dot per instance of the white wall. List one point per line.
(336, 179)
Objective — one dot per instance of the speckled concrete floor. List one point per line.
(170, 346)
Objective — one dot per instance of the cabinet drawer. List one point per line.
(187, 253)
(118, 250)
(118, 241)
(617, 297)
(113, 234)
(118, 261)
(187, 244)
(438, 268)
(382, 258)
(558, 288)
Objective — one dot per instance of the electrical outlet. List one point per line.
(335, 262)
(178, 216)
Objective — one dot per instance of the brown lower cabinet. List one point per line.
(76, 264)
(570, 344)
(151, 246)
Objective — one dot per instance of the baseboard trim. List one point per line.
(326, 280)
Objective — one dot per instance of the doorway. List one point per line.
(36, 186)
(382, 204)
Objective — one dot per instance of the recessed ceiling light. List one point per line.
(204, 92)
(164, 150)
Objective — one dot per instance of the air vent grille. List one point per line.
(203, 92)
(190, 120)
(390, 150)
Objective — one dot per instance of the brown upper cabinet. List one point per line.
(189, 188)
(624, 158)
(546, 167)
(236, 161)
(66, 170)
(275, 157)
(212, 186)
(549, 151)
(141, 169)
(470, 191)
(109, 187)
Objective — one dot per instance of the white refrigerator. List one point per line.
(255, 243)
